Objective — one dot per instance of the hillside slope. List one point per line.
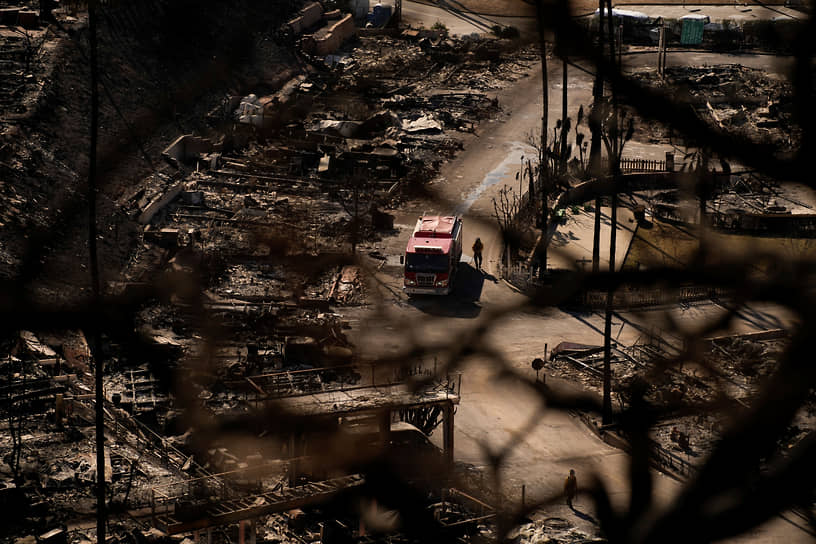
(164, 64)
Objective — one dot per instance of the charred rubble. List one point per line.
(245, 226)
(241, 217)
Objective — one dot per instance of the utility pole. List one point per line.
(661, 47)
(595, 142)
(607, 363)
(95, 321)
(614, 166)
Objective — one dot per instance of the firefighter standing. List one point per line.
(477, 252)
(571, 487)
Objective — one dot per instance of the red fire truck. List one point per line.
(432, 256)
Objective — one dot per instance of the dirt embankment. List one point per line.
(163, 65)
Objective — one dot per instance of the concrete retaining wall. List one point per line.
(309, 16)
(186, 148)
(649, 297)
(160, 202)
(329, 40)
(765, 223)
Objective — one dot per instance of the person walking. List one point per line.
(477, 252)
(571, 487)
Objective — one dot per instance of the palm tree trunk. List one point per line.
(595, 143)
(544, 174)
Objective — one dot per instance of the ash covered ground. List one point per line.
(238, 171)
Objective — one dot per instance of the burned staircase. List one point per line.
(140, 393)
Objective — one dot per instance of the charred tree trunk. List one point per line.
(704, 183)
(355, 227)
(564, 126)
(45, 10)
(531, 190)
(614, 166)
(15, 424)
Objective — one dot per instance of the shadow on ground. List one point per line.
(583, 515)
(463, 302)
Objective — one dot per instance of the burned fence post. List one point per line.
(447, 430)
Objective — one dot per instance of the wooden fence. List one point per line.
(638, 165)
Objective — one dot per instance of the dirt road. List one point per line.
(460, 21)
(494, 411)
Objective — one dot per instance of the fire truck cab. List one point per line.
(432, 255)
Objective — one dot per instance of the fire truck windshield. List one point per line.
(426, 262)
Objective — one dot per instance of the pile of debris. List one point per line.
(348, 288)
(47, 448)
(242, 231)
(552, 530)
(261, 192)
(584, 364)
(733, 368)
(745, 101)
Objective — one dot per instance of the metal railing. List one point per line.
(629, 164)
(671, 461)
(215, 487)
(311, 380)
(294, 383)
